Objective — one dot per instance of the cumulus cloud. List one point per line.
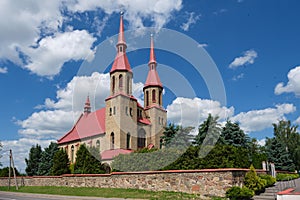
(158, 11)
(3, 70)
(297, 121)
(257, 120)
(192, 112)
(247, 57)
(53, 51)
(192, 19)
(293, 84)
(238, 77)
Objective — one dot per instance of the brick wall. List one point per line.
(210, 182)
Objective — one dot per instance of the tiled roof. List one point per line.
(87, 125)
(110, 154)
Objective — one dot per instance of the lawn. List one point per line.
(104, 192)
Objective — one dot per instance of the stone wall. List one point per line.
(209, 182)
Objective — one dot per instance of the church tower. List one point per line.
(121, 106)
(153, 89)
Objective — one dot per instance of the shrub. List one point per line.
(286, 176)
(270, 180)
(238, 193)
(254, 182)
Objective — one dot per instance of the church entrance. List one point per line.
(141, 140)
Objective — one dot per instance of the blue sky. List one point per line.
(47, 46)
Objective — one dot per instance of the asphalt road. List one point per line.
(28, 196)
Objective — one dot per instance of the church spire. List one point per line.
(152, 78)
(121, 61)
(87, 106)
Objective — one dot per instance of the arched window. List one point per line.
(127, 86)
(120, 81)
(159, 97)
(147, 98)
(141, 138)
(72, 154)
(160, 143)
(110, 111)
(121, 49)
(113, 84)
(112, 140)
(159, 120)
(153, 96)
(114, 110)
(128, 141)
(98, 144)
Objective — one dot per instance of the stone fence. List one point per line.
(208, 182)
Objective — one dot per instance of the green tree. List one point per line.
(208, 132)
(233, 135)
(33, 161)
(0, 152)
(169, 133)
(47, 156)
(60, 163)
(88, 161)
(279, 155)
(4, 172)
(290, 138)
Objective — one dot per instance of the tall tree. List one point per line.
(60, 163)
(279, 155)
(233, 135)
(0, 152)
(209, 131)
(88, 161)
(33, 161)
(47, 159)
(169, 133)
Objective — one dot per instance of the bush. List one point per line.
(238, 193)
(286, 176)
(270, 180)
(254, 182)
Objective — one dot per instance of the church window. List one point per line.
(130, 112)
(114, 110)
(160, 143)
(121, 49)
(141, 138)
(128, 81)
(153, 96)
(113, 84)
(110, 111)
(120, 81)
(128, 141)
(98, 144)
(126, 110)
(159, 120)
(159, 97)
(112, 140)
(147, 98)
(72, 154)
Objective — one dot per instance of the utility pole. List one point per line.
(11, 164)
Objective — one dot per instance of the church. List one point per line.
(123, 125)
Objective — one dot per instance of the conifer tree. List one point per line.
(33, 161)
(47, 159)
(60, 163)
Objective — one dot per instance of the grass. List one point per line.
(104, 192)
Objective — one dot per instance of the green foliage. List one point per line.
(239, 193)
(4, 172)
(269, 179)
(177, 136)
(145, 150)
(208, 132)
(33, 161)
(254, 182)
(286, 177)
(0, 153)
(46, 162)
(88, 161)
(233, 135)
(60, 163)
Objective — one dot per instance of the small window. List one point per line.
(130, 112)
(114, 110)
(160, 143)
(121, 49)
(98, 144)
(121, 81)
(153, 96)
(110, 111)
(113, 84)
(147, 98)
(112, 140)
(126, 110)
(159, 120)
(128, 141)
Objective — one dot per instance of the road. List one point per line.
(28, 196)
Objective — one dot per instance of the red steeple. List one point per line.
(152, 78)
(87, 105)
(121, 61)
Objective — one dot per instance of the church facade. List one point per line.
(123, 125)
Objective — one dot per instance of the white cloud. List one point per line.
(238, 77)
(191, 20)
(20, 149)
(203, 45)
(192, 112)
(248, 57)
(297, 121)
(261, 142)
(53, 51)
(3, 70)
(158, 11)
(293, 84)
(257, 120)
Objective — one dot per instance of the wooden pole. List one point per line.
(9, 170)
(13, 168)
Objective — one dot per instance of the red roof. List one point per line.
(144, 121)
(110, 154)
(87, 125)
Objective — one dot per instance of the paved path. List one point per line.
(29, 196)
